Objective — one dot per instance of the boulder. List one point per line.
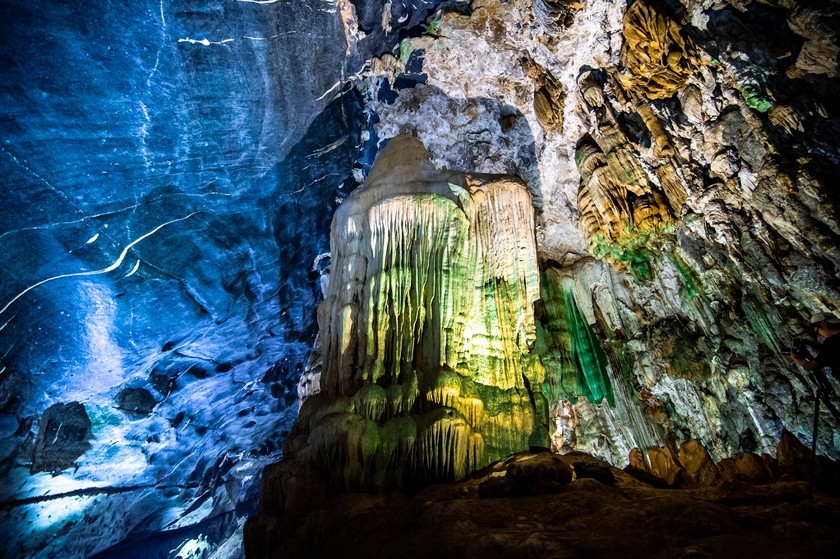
(136, 401)
(748, 467)
(700, 470)
(63, 435)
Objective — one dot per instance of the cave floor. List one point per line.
(583, 518)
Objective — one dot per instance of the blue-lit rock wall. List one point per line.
(169, 170)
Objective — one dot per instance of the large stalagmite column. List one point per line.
(426, 332)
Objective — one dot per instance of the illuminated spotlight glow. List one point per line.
(51, 513)
(194, 548)
(105, 363)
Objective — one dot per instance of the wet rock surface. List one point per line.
(63, 436)
(169, 172)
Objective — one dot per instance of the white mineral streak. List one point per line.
(206, 42)
(133, 269)
(116, 264)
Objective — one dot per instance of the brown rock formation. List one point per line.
(618, 203)
(657, 57)
(693, 467)
(549, 96)
(616, 515)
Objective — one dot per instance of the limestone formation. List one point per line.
(632, 295)
(818, 24)
(555, 15)
(658, 58)
(549, 96)
(693, 163)
(427, 329)
(622, 210)
(691, 467)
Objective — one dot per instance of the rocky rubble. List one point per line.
(690, 466)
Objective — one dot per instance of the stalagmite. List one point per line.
(427, 330)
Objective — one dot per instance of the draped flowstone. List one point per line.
(428, 324)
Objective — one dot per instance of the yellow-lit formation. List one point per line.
(428, 326)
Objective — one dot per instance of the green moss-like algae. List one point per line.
(689, 279)
(635, 247)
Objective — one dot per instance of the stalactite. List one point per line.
(588, 355)
(626, 208)
(445, 390)
(658, 57)
(549, 96)
(473, 411)
(594, 406)
(447, 449)
(371, 402)
(576, 348)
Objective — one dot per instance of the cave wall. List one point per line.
(169, 170)
(681, 159)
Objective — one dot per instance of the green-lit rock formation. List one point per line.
(427, 370)
(428, 325)
(680, 156)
